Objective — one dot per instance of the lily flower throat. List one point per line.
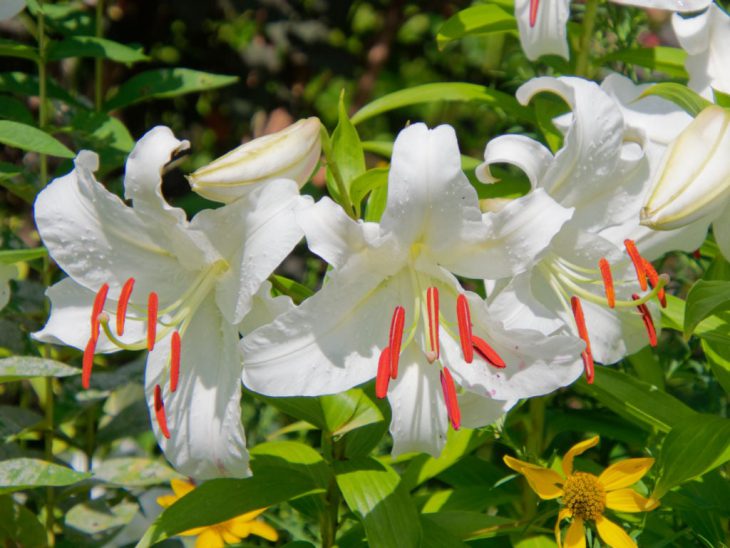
(161, 319)
(573, 284)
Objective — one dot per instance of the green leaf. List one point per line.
(473, 525)
(446, 91)
(282, 471)
(134, 472)
(693, 447)
(286, 286)
(15, 420)
(376, 204)
(27, 137)
(372, 491)
(367, 182)
(644, 404)
(98, 520)
(668, 60)
(435, 536)
(23, 473)
(26, 85)
(10, 48)
(481, 19)
(27, 367)
(19, 526)
(165, 83)
(91, 46)
(680, 95)
(12, 256)
(705, 299)
(718, 358)
(721, 99)
(647, 366)
(714, 328)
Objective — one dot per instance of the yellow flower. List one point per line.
(220, 534)
(586, 496)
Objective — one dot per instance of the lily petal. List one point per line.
(706, 38)
(330, 343)
(578, 449)
(721, 231)
(97, 239)
(592, 172)
(264, 309)
(549, 34)
(266, 231)
(628, 500)
(682, 6)
(624, 473)
(478, 411)
(613, 535)
(419, 420)
(545, 482)
(204, 413)
(529, 155)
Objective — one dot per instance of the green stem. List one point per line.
(329, 521)
(535, 440)
(582, 65)
(99, 61)
(48, 441)
(42, 92)
(346, 203)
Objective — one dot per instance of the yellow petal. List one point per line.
(577, 449)
(249, 516)
(264, 530)
(613, 535)
(563, 514)
(194, 532)
(209, 539)
(229, 537)
(181, 487)
(628, 500)
(166, 500)
(576, 537)
(624, 473)
(545, 482)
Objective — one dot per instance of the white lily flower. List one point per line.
(693, 183)
(656, 122)
(706, 39)
(178, 288)
(582, 281)
(542, 23)
(391, 309)
(10, 8)
(291, 153)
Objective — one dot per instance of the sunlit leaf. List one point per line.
(480, 19)
(10, 48)
(705, 299)
(134, 471)
(680, 95)
(165, 83)
(91, 46)
(27, 367)
(27, 137)
(24, 473)
(664, 59)
(693, 447)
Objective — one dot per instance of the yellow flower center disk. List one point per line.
(584, 496)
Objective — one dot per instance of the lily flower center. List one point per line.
(162, 319)
(573, 283)
(424, 328)
(584, 496)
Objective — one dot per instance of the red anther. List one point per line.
(580, 322)
(533, 12)
(607, 282)
(463, 315)
(96, 309)
(160, 412)
(648, 321)
(452, 403)
(122, 305)
(395, 338)
(432, 300)
(638, 261)
(487, 352)
(697, 254)
(174, 360)
(588, 365)
(653, 276)
(383, 377)
(152, 304)
(88, 362)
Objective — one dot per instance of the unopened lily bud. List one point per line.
(693, 181)
(290, 153)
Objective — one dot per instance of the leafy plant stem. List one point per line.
(48, 446)
(344, 196)
(42, 93)
(534, 446)
(329, 521)
(99, 61)
(582, 62)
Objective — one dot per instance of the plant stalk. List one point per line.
(42, 87)
(582, 63)
(329, 521)
(99, 61)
